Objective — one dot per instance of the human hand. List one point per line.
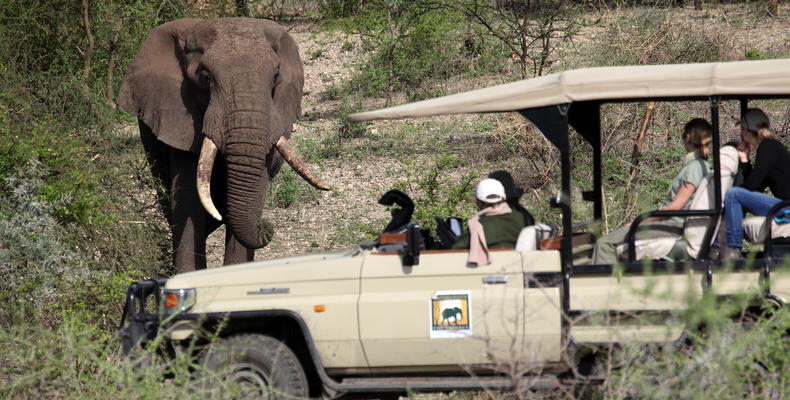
(743, 151)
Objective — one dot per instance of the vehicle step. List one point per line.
(448, 382)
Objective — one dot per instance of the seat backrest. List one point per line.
(529, 238)
(704, 198)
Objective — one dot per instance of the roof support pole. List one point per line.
(552, 122)
(714, 220)
(585, 118)
(714, 121)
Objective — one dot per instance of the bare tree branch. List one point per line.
(111, 54)
(531, 29)
(89, 51)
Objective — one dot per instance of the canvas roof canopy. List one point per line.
(762, 78)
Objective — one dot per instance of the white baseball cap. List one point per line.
(490, 191)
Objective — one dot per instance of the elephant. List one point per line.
(453, 313)
(216, 101)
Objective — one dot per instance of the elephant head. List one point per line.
(231, 86)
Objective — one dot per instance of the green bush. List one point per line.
(287, 188)
(319, 149)
(70, 361)
(436, 192)
(332, 92)
(727, 361)
(347, 129)
(33, 256)
(69, 178)
(347, 46)
(407, 48)
(753, 54)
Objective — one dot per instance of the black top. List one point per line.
(771, 169)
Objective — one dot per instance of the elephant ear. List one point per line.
(288, 94)
(155, 90)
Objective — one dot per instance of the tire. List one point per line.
(252, 366)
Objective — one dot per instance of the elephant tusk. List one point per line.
(290, 157)
(208, 152)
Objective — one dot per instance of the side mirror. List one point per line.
(411, 254)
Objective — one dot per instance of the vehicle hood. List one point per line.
(305, 268)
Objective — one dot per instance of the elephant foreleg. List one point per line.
(188, 217)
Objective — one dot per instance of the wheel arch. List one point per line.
(284, 325)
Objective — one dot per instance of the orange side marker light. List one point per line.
(171, 300)
(319, 308)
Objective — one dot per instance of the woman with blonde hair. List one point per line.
(771, 170)
(697, 137)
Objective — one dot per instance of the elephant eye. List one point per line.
(204, 77)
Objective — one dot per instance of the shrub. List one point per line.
(655, 36)
(33, 257)
(332, 92)
(407, 48)
(347, 46)
(287, 188)
(728, 361)
(436, 192)
(347, 129)
(754, 54)
(71, 361)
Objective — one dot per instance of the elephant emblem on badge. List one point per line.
(455, 313)
(216, 101)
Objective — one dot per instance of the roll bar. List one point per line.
(553, 123)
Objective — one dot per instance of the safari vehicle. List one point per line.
(393, 316)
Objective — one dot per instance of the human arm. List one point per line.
(681, 198)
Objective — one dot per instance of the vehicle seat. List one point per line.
(694, 228)
(753, 229)
(529, 238)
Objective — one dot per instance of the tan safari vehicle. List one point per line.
(394, 316)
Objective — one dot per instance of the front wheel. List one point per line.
(253, 366)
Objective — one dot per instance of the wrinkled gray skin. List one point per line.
(236, 81)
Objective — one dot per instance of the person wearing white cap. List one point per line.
(495, 225)
(771, 170)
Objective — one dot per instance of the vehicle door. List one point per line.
(440, 312)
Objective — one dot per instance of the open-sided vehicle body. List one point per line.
(377, 320)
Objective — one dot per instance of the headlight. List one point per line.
(178, 300)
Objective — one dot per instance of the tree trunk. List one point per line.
(773, 7)
(111, 65)
(637, 151)
(89, 51)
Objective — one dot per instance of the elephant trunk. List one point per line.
(248, 160)
(248, 180)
